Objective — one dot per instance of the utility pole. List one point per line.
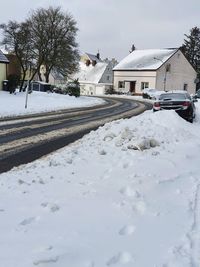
(27, 90)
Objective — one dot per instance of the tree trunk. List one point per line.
(47, 77)
(22, 82)
(39, 75)
(33, 75)
(48, 71)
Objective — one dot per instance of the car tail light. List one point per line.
(186, 104)
(156, 106)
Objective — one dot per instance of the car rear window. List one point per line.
(172, 96)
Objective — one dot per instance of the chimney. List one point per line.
(98, 55)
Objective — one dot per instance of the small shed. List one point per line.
(40, 86)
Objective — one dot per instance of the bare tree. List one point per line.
(16, 37)
(53, 37)
(47, 37)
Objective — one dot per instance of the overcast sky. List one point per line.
(112, 26)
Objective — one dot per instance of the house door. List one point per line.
(132, 87)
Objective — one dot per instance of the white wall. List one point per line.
(138, 76)
(100, 90)
(181, 72)
(94, 88)
(2, 74)
(87, 89)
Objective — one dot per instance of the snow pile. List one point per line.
(14, 104)
(100, 203)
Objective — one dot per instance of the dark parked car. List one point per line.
(181, 102)
(151, 93)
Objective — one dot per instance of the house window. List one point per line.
(185, 87)
(168, 67)
(144, 85)
(121, 84)
(108, 78)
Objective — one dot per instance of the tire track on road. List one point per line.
(27, 140)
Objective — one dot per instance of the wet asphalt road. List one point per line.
(26, 138)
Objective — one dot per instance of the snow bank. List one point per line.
(100, 202)
(13, 105)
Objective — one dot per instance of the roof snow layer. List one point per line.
(3, 59)
(93, 57)
(90, 73)
(150, 59)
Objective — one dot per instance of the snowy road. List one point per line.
(27, 138)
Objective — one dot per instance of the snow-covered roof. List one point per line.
(90, 73)
(93, 57)
(3, 49)
(149, 59)
(3, 58)
(56, 75)
(6, 50)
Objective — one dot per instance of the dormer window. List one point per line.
(87, 63)
(94, 63)
(168, 67)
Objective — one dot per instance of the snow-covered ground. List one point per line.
(127, 194)
(14, 104)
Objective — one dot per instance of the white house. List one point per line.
(162, 69)
(3, 68)
(95, 75)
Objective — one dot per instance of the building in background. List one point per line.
(14, 66)
(3, 68)
(95, 75)
(55, 78)
(161, 69)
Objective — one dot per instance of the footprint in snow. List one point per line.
(29, 221)
(51, 207)
(106, 174)
(102, 152)
(130, 192)
(69, 161)
(120, 258)
(43, 249)
(139, 207)
(127, 230)
(127, 165)
(89, 264)
(46, 261)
